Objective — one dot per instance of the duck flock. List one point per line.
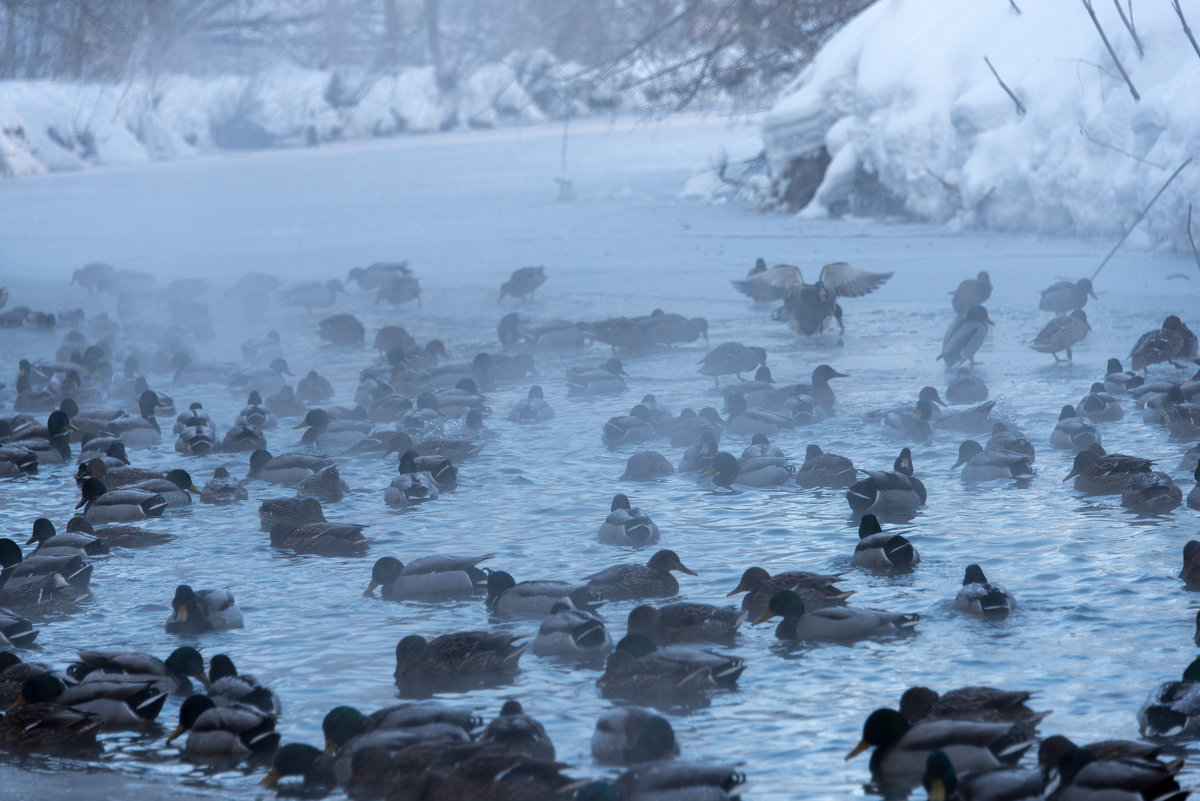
(129, 428)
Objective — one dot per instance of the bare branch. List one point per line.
(1092, 13)
(1129, 27)
(1191, 241)
(1129, 230)
(1096, 141)
(1013, 3)
(1004, 86)
(1186, 29)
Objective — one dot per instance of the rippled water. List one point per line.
(1101, 618)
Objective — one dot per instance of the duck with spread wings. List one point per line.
(808, 306)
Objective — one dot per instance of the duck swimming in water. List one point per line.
(1098, 473)
(1072, 432)
(982, 599)
(980, 465)
(822, 469)
(626, 525)
(878, 550)
(895, 492)
(120, 505)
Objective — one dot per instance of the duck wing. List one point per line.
(847, 281)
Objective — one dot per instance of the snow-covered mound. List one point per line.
(900, 114)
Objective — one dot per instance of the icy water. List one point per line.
(1101, 620)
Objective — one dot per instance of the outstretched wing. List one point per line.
(770, 284)
(851, 282)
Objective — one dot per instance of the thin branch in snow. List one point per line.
(1186, 29)
(1129, 230)
(949, 187)
(1092, 13)
(1016, 8)
(1004, 86)
(1195, 252)
(1129, 27)
(1096, 141)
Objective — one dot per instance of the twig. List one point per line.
(1129, 27)
(1004, 86)
(949, 187)
(1129, 230)
(1016, 8)
(1096, 141)
(1092, 13)
(1195, 252)
(1186, 29)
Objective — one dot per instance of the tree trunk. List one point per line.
(391, 34)
(10, 39)
(432, 9)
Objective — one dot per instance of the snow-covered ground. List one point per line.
(901, 99)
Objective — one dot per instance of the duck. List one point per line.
(1099, 473)
(901, 750)
(230, 731)
(49, 447)
(632, 428)
(914, 427)
(1099, 406)
(1151, 492)
(202, 440)
(966, 387)
(377, 274)
(896, 492)
(173, 487)
(120, 536)
(263, 380)
(507, 599)
(571, 632)
(533, 409)
(515, 732)
(1085, 776)
(731, 358)
(620, 332)
(295, 511)
(230, 688)
(632, 582)
(341, 331)
(982, 599)
(118, 506)
(1171, 343)
(747, 422)
(627, 525)
(412, 486)
(1193, 498)
(311, 295)
(663, 779)
(999, 784)
(882, 551)
(603, 380)
(1005, 439)
(1118, 380)
(630, 735)
(15, 630)
(428, 576)
(817, 590)
(1062, 333)
(1182, 417)
(119, 700)
(971, 292)
(837, 623)
(173, 675)
(686, 429)
(1190, 574)
(638, 670)
(766, 471)
(255, 415)
(1065, 296)
(141, 430)
(822, 469)
(49, 727)
(199, 611)
(686, 622)
(51, 543)
(928, 394)
(452, 659)
(17, 460)
(192, 417)
(979, 465)
(968, 703)
(262, 349)
(223, 489)
(646, 466)
(964, 337)
(523, 282)
(286, 468)
(972, 420)
(669, 329)
(809, 306)
(241, 438)
(1072, 432)
(329, 539)
(326, 484)
(1173, 708)
(325, 432)
(764, 285)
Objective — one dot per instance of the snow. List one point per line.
(902, 95)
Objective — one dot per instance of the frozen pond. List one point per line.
(1102, 617)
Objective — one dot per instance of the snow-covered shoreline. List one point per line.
(899, 110)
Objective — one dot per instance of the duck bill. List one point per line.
(1071, 475)
(1092, 294)
(204, 679)
(330, 748)
(271, 779)
(863, 745)
(82, 502)
(735, 590)
(708, 471)
(959, 464)
(937, 790)
(763, 618)
(683, 569)
(836, 374)
(193, 488)
(17, 704)
(181, 614)
(299, 425)
(178, 731)
(371, 585)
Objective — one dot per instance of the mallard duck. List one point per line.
(763, 285)
(1084, 776)
(427, 576)
(412, 486)
(809, 306)
(1171, 343)
(300, 759)
(194, 416)
(662, 780)
(766, 471)
(294, 511)
(630, 735)
(49, 727)
(914, 427)
(140, 430)
(201, 441)
(731, 358)
(686, 622)
(339, 330)
(120, 536)
(815, 589)
(999, 784)
(173, 487)
(687, 429)
(819, 390)
(119, 506)
(1098, 473)
(628, 429)
(328, 539)
(15, 631)
(746, 422)
(1065, 296)
(979, 465)
(965, 336)
(1193, 498)
(837, 623)
(879, 550)
(1182, 417)
(255, 415)
(229, 687)
(556, 334)
(1190, 574)
(286, 468)
(822, 469)
(51, 543)
(533, 409)
(625, 333)
(28, 585)
(1062, 333)
(451, 658)
(224, 731)
(1054, 748)
(631, 582)
(896, 492)
(1151, 492)
(172, 675)
(223, 490)
(400, 290)
(572, 632)
(973, 420)
(968, 703)
(263, 380)
(523, 283)
(1099, 406)
(627, 525)
(971, 292)
(17, 460)
(667, 329)
(1072, 432)
(646, 466)
(118, 700)
(325, 432)
(241, 438)
(980, 598)
(50, 446)
(603, 380)
(637, 669)
(1173, 708)
(517, 733)
(1118, 380)
(506, 598)
(927, 394)
(966, 387)
(901, 749)
(326, 485)
(195, 612)
(378, 274)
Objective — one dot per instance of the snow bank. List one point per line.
(899, 113)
